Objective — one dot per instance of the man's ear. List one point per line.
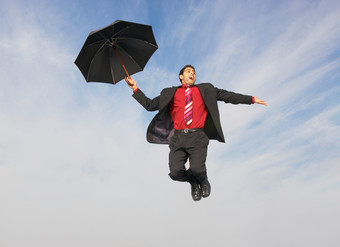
(181, 77)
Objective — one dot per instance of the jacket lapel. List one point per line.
(166, 96)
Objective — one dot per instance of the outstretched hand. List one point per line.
(258, 101)
(131, 83)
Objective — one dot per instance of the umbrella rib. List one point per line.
(111, 69)
(120, 31)
(117, 36)
(101, 47)
(149, 43)
(129, 56)
(128, 52)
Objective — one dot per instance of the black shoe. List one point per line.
(195, 192)
(205, 187)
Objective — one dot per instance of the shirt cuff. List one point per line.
(253, 100)
(135, 90)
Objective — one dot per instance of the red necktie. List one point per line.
(188, 105)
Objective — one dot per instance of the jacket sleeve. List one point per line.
(147, 103)
(233, 98)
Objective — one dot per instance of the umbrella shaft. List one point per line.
(122, 63)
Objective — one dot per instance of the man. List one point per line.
(188, 117)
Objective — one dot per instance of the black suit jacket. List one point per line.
(161, 128)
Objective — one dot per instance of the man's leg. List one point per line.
(177, 159)
(197, 155)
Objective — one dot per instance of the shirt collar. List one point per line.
(185, 86)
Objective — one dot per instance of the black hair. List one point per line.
(182, 70)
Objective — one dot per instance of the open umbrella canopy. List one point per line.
(118, 50)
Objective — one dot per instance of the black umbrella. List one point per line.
(109, 53)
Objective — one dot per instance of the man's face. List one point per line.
(188, 77)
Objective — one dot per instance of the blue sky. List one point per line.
(75, 167)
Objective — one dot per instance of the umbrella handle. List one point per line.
(122, 63)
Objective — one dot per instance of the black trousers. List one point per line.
(192, 146)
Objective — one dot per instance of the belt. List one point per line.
(188, 130)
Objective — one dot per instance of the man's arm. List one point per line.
(148, 104)
(131, 83)
(258, 101)
(236, 98)
(233, 98)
